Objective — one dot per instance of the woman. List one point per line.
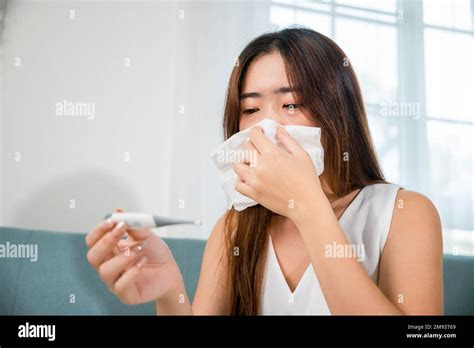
(280, 258)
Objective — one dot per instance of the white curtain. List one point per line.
(2, 16)
(414, 60)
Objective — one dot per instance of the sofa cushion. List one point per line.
(61, 281)
(62, 274)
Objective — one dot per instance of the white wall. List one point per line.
(173, 61)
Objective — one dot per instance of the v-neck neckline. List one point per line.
(304, 276)
(280, 272)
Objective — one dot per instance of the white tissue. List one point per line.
(231, 152)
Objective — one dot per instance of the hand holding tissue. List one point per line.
(280, 169)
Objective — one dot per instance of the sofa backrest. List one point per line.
(62, 282)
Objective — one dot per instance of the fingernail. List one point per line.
(119, 229)
(142, 261)
(140, 246)
(107, 223)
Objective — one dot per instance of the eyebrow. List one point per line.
(281, 90)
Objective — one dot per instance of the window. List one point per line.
(414, 60)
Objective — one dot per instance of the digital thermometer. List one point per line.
(142, 220)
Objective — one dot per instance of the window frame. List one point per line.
(410, 28)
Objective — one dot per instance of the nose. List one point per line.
(273, 112)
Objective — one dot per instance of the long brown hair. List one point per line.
(329, 92)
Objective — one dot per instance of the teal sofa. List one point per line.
(62, 282)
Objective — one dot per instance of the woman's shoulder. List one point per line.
(415, 208)
(415, 221)
(415, 198)
(406, 202)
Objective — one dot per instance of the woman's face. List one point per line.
(266, 94)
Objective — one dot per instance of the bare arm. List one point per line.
(411, 266)
(210, 293)
(210, 298)
(410, 274)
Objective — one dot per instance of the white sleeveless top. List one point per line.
(365, 222)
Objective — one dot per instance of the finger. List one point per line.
(126, 280)
(122, 246)
(133, 235)
(260, 140)
(251, 153)
(128, 250)
(290, 144)
(104, 227)
(138, 234)
(104, 247)
(111, 270)
(243, 171)
(99, 231)
(244, 188)
(117, 248)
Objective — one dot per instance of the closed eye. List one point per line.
(250, 111)
(291, 106)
